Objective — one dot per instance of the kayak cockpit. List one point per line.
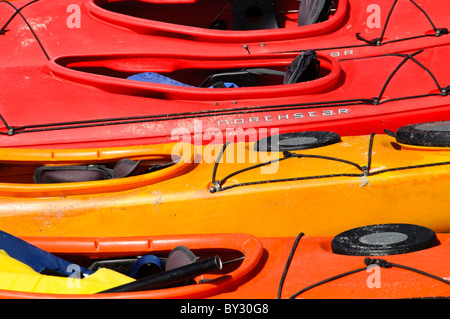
(226, 14)
(134, 267)
(42, 173)
(224, 21)
(200, 78)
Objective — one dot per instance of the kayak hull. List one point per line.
(96, 109)
(59, 28)
(303, 192)
(302, 267)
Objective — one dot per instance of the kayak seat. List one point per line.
(305, 67)
(180, 256)
(242, 77)
(314, 11)
(72, 173)
(86, 173)
(254, 15)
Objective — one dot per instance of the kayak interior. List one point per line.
(222, 14)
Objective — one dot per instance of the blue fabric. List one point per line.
(155, 78)
(161, 79)
(228, 85)
(35, 257)
(146, 259)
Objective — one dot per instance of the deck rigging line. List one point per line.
(17, 11)
(365, 170)
(379, 41)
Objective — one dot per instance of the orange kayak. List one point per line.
(384, 261)
(297, 182)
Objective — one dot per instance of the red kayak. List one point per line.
(115, 100)
(338, 28)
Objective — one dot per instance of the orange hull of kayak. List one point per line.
(319, 196)
(312, 268)
(92, 249)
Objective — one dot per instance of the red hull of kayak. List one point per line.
(82, 101)
(143, 26)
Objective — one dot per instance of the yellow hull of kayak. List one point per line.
(314, 195)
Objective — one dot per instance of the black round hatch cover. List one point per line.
(435, 134)
(296, 141)
(383, 239)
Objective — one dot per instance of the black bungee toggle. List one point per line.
(377, 261)
(441, 31)
(11, 130)
(216, 187)
(365, 171)
(374, 42)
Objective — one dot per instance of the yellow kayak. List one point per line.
(318, 183)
